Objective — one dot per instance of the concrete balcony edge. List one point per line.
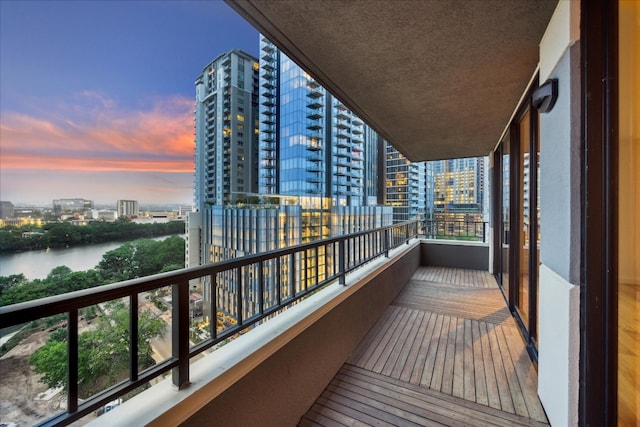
(276, 371)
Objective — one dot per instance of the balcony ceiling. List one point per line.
(436, 78)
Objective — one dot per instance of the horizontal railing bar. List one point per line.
(106, 396)
(16, 314)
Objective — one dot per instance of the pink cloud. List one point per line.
(94, 134)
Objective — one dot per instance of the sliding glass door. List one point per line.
(517, 253)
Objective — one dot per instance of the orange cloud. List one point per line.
(56, 163)
(94, 134)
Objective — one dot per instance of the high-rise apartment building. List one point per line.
(310, 143)
(409, 187)
(314, 148)
(312, 173)
(128, 208)
(226, 142)
(459, 189)
(226, 129)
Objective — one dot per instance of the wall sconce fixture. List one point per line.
(544, 98)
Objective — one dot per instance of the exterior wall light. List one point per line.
(544, 98)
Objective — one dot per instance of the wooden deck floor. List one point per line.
(446, 352)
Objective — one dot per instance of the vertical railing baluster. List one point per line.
(239, 302)
(213, 323)
(279, 288)
(180, 333)
(386, 242)
(324, 260)
(292, 275)
(133, 337)
(314, 272)
(72, 360)
(304, 274)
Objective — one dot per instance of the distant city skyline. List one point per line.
(96, 98)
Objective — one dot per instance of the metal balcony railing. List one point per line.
(262, 285)
(456, 230)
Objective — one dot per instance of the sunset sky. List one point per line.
(96, 97)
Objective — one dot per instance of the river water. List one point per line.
(38, 264)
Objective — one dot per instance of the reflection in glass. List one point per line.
(628, 214)
(525, 204)
(505, 215)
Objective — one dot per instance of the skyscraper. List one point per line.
(226, 131)
(459, 192)
(302, 179)
(408, 186)
(314, 148)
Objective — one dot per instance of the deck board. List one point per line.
(445, 352)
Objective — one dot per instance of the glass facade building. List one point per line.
(312, 147)
(409, 186)
(310, 143)
(459, 189)
(279, 162)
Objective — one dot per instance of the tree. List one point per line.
(58, 272)
(103, 352)
(25, 291)
(64, 234)
(7, 282)
(116, 265)
(51, 361)
(170, 251)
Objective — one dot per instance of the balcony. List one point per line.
(433, 357)
(379, 327)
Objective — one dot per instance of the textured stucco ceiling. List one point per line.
(436, 78)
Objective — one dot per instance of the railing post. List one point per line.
(406, 233)
(484, 231)
(133, 337)
(341, 261)
(180, 334)
(72, 361)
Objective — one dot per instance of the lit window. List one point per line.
(240, 118)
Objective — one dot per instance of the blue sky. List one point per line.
(96, 97)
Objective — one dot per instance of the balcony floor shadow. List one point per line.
(445, 352)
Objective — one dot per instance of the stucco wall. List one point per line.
(560, 183)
